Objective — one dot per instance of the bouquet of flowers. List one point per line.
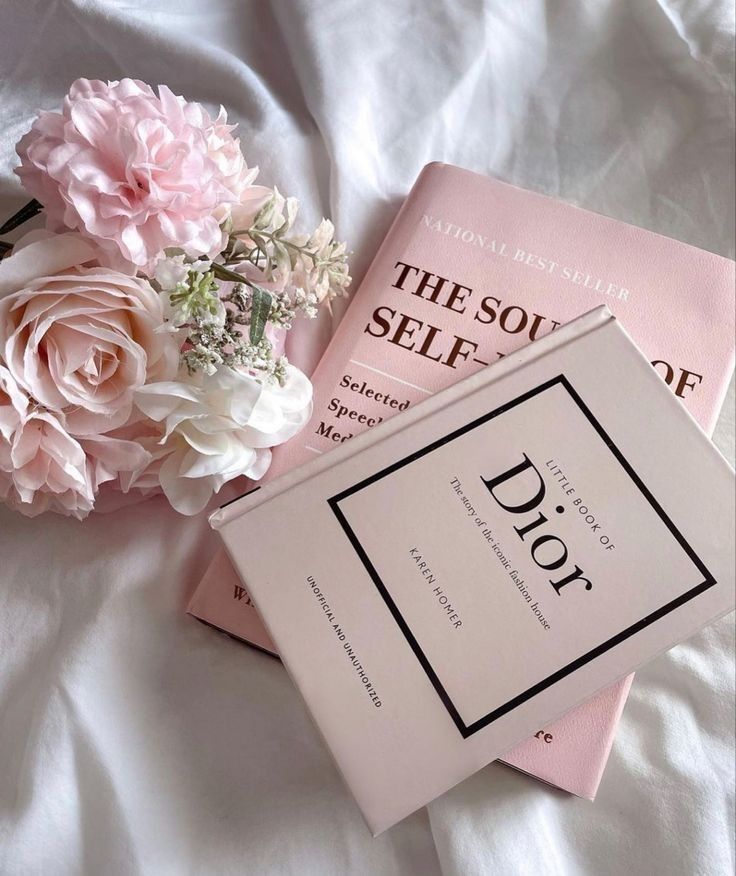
(141, 333)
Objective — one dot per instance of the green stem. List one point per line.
(223, 273)
(270, 235)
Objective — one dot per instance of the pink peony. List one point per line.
(252, 201)
(135, 171)
(80, 339)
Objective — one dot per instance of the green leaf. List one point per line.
(260, 309)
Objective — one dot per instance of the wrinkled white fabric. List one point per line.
(135, 740)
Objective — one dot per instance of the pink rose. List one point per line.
(125, 462)
(47, 470)
(73, 318)
(79, 339)
(13, 404)
(135, 171)
(41, 466)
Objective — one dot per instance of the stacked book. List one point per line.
(505, 500)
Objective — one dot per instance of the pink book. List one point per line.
(471, 270)
(477, 565)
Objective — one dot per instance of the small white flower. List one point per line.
(188, 293)
(171, 271)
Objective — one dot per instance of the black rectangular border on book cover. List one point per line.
(467, 730)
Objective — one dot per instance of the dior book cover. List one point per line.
(488, 559)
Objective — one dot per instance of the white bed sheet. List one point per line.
(132, 738)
